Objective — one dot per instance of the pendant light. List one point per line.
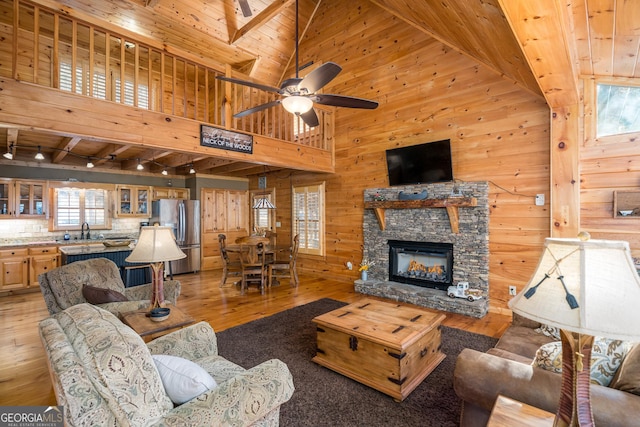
(263, 202)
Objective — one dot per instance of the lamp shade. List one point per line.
(263, 203)
(155, 244)
(590, 287)
(297, 104)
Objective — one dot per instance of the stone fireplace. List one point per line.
(409, 245)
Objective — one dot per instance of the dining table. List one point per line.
(269, 251)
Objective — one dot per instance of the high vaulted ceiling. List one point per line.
(544, 46)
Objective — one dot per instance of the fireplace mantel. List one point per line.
(450, 203)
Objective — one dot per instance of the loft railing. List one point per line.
(57, 51)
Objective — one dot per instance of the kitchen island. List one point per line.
(117, 254)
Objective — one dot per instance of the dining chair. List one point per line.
(285, 267)
(229, 266)
(254, 267)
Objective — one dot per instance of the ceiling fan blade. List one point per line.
(319, 77)
(256, 109)
(344, 101)
(250, 84)
(310, 118)
(246, 9)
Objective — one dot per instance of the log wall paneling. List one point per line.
(499, 133)
(607, 165)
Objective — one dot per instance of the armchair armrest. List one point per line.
(242, 400)
(479, 378)
(193, 342)
(143, 292)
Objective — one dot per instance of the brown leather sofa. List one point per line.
(506, 369)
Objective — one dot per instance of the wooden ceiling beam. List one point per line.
(111, 150)
(66, 145)
(12, 141)
(543, 30)
(262, 18)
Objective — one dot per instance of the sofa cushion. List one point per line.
(522, 340)
(182, 379)
(628, 376)
(95, 295)
(121, 369)
(606, 357)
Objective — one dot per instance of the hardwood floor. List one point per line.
(24, 377)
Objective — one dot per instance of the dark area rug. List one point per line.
(326, 398)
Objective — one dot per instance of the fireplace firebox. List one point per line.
(426, 264)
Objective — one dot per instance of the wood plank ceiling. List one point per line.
(544, 46)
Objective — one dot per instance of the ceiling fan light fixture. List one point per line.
(89, 163)
(164, 172)
(297, 104)
(191, 169)
(139, 167)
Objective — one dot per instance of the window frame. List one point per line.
(84, 211)
(590, 111)
(319, 189)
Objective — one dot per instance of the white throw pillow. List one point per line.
(182, 379)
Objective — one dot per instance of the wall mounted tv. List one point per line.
(420, 164)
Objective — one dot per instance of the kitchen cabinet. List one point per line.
(14, 267)
(223, 212)
(42, 259)
(23, 199)
(132, 201)
(170, 193)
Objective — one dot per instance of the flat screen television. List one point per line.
(420, 164)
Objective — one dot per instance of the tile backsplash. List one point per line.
(29, 230)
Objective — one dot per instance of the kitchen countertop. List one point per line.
(92, 248)
(20, 244)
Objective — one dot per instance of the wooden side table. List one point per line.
(149, 329)
(509, 413)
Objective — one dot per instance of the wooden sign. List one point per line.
(225, 139)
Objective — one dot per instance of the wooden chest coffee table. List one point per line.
(387, 346)
(149, 329)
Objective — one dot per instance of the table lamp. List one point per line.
(155, 246)
(586, 288)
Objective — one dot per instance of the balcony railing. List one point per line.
(57, 51)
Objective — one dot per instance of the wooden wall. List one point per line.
(427, 92)
(607, 165)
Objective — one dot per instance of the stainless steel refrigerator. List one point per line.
(183, 216)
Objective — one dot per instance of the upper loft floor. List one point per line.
(79, 91)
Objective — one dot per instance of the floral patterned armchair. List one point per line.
(104, 374)
(62, 286)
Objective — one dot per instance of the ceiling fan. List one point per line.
(299, 94)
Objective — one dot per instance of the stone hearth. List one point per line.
(470, 245)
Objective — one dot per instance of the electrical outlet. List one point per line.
(539, 199)
(512, 291)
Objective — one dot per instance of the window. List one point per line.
(308, 218)
(100, 86)
(618, 109)
(75, 206)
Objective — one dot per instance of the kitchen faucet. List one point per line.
(88, 231)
